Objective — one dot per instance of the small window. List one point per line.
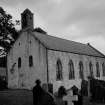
(71, 70)
(81, 74)
(91, 69)
(97, 70)
(103, 69)
(30, 61)
(59, 70)
(19, 62)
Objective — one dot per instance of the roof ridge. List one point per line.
(62, 38)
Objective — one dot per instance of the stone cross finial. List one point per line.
(70, 98)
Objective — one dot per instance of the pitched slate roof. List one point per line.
(59, 44)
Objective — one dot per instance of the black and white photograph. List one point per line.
(52, 52)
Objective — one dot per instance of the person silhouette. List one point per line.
(37, 93)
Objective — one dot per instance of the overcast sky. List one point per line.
(78, 20)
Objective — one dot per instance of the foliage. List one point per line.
(38, 29)
(8, 33)
(3, 84)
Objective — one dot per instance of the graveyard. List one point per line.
(25, 97)
(92, 93)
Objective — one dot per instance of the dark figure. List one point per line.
(37, 93)
(40, 96)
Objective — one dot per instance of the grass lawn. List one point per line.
(24, 97)
(16, 97)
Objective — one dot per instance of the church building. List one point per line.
(58, 61)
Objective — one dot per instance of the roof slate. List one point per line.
(59, 44)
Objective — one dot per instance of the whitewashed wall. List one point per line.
(65, 57)
(25, 77)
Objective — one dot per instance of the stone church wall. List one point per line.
(25, 76)
(53, 56)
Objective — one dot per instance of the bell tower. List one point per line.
(27, 19)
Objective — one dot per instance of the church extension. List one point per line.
(53, 60)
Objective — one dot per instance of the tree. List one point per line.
(38, 29)
(8, 33)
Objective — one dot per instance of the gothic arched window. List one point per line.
(30, 61)
(81, 74)
(71, 70)
(59, 75)
(103, 69)
(91, 69)
(19, 62)
(97, 70)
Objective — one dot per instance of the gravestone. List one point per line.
(45, 86)
(59, 101)
(70, 98)
(84, 88)
(59, 96)
(74, 90)
(48, 87)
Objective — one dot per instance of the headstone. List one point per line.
(59, 96)
(89, 93)
(84, 88)
(69, 98)
(59, 101)
(74, 89)
(45, 87)
(48, 87)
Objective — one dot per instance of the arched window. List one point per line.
(81, 74)
(91, 69)
(19, 62)
(30, 61)
(103, 69)
(59, 70)
(97, 70)
(71, 70)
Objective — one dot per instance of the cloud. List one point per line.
(71, 19)
(97, 42)
(14, 3)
